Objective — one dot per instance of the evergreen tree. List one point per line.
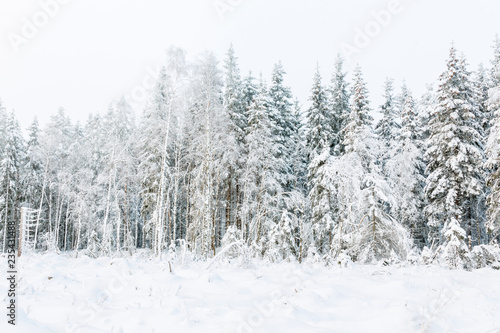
(493, 166)
(262, 186)
(339, 100)
(318, 119)
(370, 233)
(360, 119)
(234, 105)
(425, 107)
(286, 125)
(454, 151)
(388, 126)
(235, 108)
(495, 63)
(318, 143)
(10, 172)
(405, 171)
(482, 85)
(321, 202)
(33, 169)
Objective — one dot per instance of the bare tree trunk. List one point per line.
(40, 206)
(66, 226)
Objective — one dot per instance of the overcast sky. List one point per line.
(83, 54)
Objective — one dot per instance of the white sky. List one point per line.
(91, 52)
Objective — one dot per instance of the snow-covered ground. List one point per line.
(59, 293)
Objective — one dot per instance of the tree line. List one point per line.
(219, 159)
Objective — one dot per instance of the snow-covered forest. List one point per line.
(227, 162)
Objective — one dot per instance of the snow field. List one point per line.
(58, 293)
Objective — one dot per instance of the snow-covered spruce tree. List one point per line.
(425, 107)
(287, 126)
(299, 169)
(454, 153)
(495, 62)
(339, 106)
(493, 163)
(405, 174)
(474, 218)
(483, 84)
(455, 252)
(372, 233)
(478, 206)
(347, 172)
(32, 179)
(12, 155)
(321, 203)
(318, 147)
(235, 108)
(33, 167)
(249, 90)
(261, 183)
(388, 127)
(319, 122)
(285, 233)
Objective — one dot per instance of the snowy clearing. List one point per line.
(58, 293)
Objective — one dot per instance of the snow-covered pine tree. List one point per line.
(286, 125)
(388, 127)
(454, 253)
(425, 107)
(364, 231)
(33, 171)
(12, 155)
(339, 100)
(495, 63)
(482, 85)
(249, 90)
(405, 174)
(360, 119)
(261, 183)
(318, 147)
(321, 203)
(454, 153)
(493, 163)
(285, 233)
(319, 129)
(474, 206)
(235, 108)
(233, 101)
